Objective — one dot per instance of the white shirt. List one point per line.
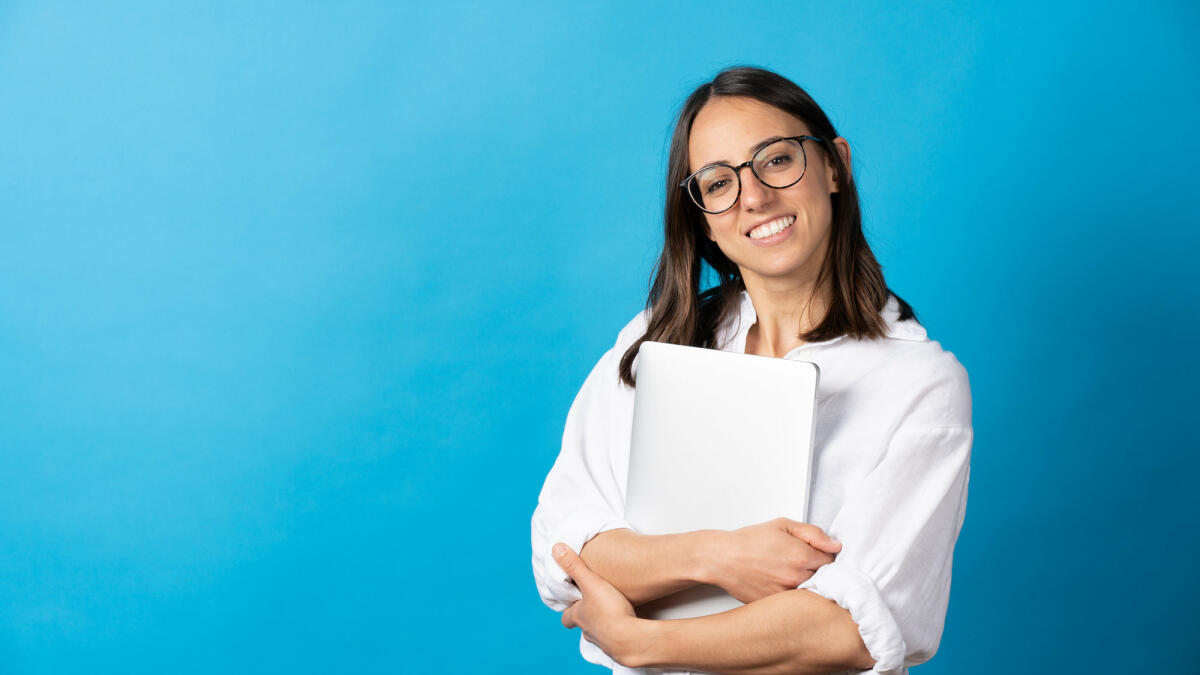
(890, 470)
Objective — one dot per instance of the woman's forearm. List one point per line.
(792, 632)
(647, 567)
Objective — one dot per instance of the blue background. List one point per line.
(294, 298)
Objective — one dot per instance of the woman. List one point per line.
(759, 189)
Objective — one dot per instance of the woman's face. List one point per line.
(730, 129)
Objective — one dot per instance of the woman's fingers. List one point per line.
(813, 536)
(580, 573)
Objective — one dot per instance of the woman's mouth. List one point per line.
(772, 231)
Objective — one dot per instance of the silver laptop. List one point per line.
(720, 440)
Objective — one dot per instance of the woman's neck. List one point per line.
(786, 309)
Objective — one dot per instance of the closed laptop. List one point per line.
(720, 440)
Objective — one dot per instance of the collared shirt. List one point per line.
(891, 465)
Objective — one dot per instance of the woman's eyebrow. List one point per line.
(755, 148)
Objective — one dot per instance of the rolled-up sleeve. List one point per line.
(899, 525)
(582, 495)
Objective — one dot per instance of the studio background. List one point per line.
(294, 298)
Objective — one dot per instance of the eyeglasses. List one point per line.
(778, 164)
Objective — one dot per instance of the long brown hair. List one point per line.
(680, 313)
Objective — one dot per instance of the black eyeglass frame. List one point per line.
(737, 171)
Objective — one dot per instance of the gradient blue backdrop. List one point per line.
(294, 298)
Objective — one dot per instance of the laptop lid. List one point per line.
(720, 440)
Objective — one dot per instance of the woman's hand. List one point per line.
(760, 560)
(604, 615)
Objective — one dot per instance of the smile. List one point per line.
(771, 227)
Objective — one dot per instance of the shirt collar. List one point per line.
(895, 328)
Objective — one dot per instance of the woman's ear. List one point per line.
(843, 149)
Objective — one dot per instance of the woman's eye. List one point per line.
(779, 160)
(716, 187)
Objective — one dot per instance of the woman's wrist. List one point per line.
(707, 548)
(643, 644)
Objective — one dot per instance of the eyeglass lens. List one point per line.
(778, 165)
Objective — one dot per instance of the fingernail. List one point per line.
(560, 550)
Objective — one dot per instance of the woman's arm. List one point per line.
(647, 567)
(749, 563)
(792, 632)
(900, 523)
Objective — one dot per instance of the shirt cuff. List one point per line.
(574, 531)
(854, 591)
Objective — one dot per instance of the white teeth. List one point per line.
(773, 227)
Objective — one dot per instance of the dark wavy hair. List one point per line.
(681, 313)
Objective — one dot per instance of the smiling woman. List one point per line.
(760, 191)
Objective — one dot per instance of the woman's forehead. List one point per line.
(729, 129)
